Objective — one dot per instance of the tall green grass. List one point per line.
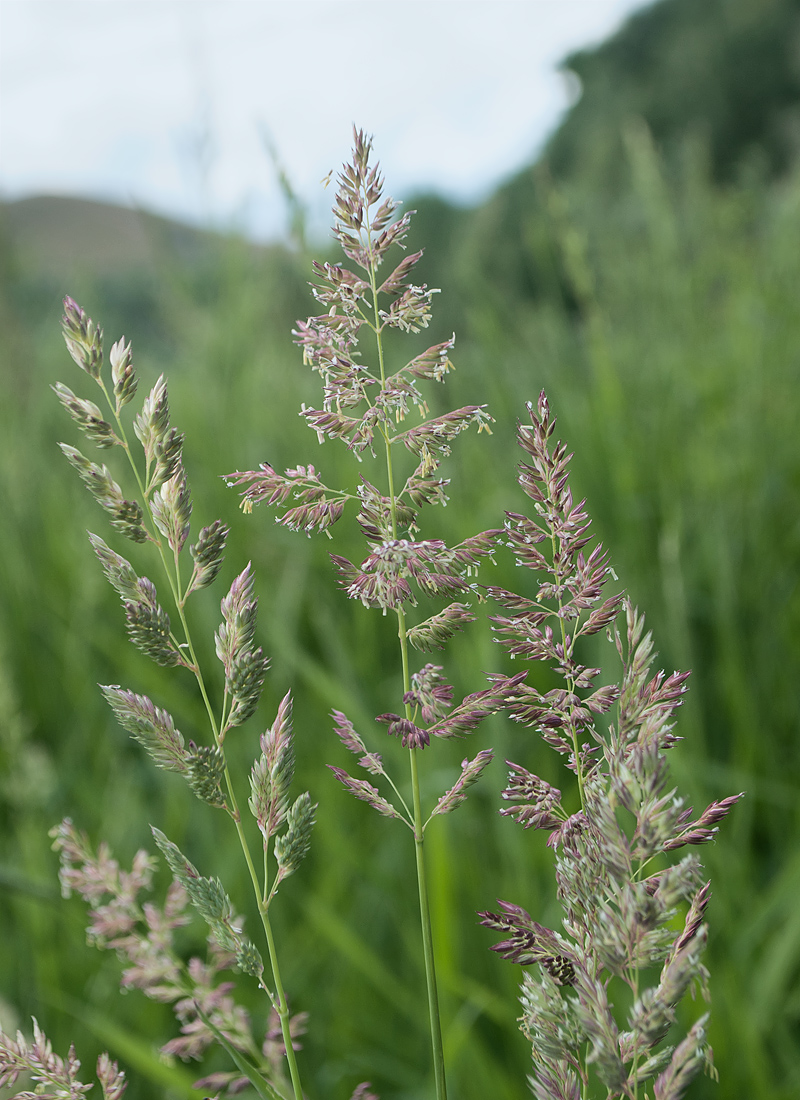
(671, 358)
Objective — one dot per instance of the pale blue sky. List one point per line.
(163, 103)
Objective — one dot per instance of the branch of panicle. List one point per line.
(164, 517)
(366, 407)
(55, 1078)
(618, 922)
(360, 403)
(141, 934)
(568, 604)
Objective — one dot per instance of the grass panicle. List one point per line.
(633, 925)
(376, 407)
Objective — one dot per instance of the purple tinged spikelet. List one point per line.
(412, 736)
(292, 847)
(126, 515)
(150, 726)
(370, 761)
(470, 773)
(87, 416)
(411, 311)
(316, 506)
(429, 693)
(276, 742)
(239, 619)
(148, 626)
(119, 572)
(111, 1078)
(694, 918)
(270, 779)
(366, 793)
(538, 804)
(61, 1074)
(245, 684)
(687, 1060)
(475, 708)
(363, 1092)
(398, 279)
(557, 1082)
(346, 733)
(205, 774)
(531, 942)
(707, 825)
(272, 774)
(162, 444)
(83, 338)
(209, 898)
(168, 456)
(208, 554)
(152, 423)
(435, 436)
(245, 667)
(171, 507)
(435, 632)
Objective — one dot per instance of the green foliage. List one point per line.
(726, 69)
(721, 75)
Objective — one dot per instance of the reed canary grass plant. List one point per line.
(600, 996)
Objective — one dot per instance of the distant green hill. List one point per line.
(50, 235)
(134, 267)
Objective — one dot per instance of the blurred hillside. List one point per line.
(50, 233)
(644, 272)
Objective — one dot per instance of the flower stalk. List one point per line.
(437, 1046)
(162, 516)
(367, 408)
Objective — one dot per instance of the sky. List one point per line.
(173, 105)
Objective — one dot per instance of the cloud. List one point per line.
(165, 104)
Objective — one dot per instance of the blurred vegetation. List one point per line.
(645, 275)
(728, 70)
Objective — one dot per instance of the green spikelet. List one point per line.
(292, 847)
(206, 771)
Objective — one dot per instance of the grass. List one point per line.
(671, 359)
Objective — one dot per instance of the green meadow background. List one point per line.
(645, 272)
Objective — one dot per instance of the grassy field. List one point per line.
(669, 351)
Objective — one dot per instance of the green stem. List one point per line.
(437, 1045)
(282, 1007)
(636, 1051)
(427, 938)
(570, 679)
(259, 1083)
